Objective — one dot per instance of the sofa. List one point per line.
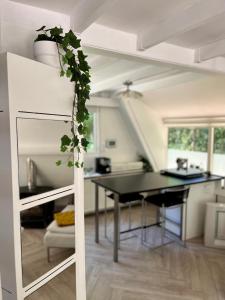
(59, 236)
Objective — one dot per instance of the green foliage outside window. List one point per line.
(89, 135)
(219, 140)
(188, 139)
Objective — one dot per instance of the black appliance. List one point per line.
(103, 165)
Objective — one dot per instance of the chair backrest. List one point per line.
(180, 193)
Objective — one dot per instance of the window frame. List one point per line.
(95, 111)
(211, 127)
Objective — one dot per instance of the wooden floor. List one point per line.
(169, 273)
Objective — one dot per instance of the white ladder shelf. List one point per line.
(32, 90)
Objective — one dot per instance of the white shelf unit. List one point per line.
(32, 90)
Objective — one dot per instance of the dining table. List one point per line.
(138, 183)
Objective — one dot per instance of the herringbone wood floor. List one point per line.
(169, 273)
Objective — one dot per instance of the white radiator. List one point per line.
(215, 225)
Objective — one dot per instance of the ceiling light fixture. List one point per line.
(128, 92)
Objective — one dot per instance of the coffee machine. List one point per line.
(103, 165)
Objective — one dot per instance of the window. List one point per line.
(219, 151)
(190, 143)
(91, 134)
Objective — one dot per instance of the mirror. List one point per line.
(38, 152)
(46, 242)
(55, 289)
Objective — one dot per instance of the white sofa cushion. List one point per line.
(59, 240)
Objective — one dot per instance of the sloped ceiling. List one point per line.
(203, 97)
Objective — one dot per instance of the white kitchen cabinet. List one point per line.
(89, 198)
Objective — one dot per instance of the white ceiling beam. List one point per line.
(87, 12)
(210, 51)
(168, 81)
(116, 81)
(148, 80)
(183, 21)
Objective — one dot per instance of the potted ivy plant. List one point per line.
(69, 57)
(45, 51)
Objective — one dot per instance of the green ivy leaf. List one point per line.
(84, 143)
(68, 73)
(65, 140)
(65, 60)
(63, 148)
(65, 42)
(62, 73)
(83, 65)
(80, 116)
(80, 129)
(75, 141)
(41, 29)
(69, 54)
(74, 41)
(70, 164)
(58, 163)
(56, 31)
(77, 164)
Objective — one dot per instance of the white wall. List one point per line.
(113, 125)
(154, 133)
(18, 25)
(40, 140)
(149, 130)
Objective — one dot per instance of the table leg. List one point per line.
(157, 215)
(116, 227)
(96, 213)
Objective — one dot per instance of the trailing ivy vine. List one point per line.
(73, 65)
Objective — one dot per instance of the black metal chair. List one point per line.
(126, 199)
(166, 199)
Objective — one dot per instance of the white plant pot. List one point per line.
(46, 52)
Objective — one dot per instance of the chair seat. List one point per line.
(127, 197)
(164, 200)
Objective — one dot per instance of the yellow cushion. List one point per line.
(65, 218)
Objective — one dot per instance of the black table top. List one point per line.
(148, 182)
